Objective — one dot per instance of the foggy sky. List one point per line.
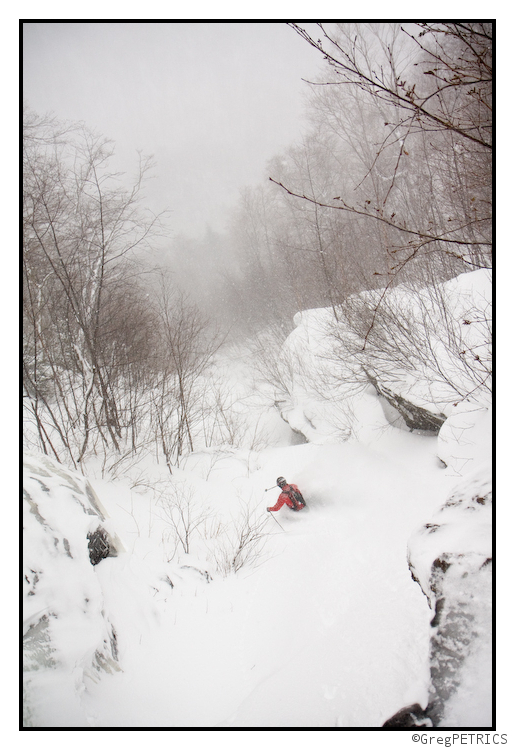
(211, 101)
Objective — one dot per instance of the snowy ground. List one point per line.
(325, 629)
(331, 613)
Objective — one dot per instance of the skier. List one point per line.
(290, 496)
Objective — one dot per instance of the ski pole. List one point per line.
(271, 488)
(277, 522)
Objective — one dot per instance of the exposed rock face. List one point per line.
(450, 558)
(461, 631)
(411, 716)
(401, 412)
(100, 545)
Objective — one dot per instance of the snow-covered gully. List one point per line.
(324, 626)
(331, 613)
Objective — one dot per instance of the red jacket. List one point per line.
(284, 498)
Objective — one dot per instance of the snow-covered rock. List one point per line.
(450, 557)
(431, 359)
(67, 639)
(410, 716)
(404, 414)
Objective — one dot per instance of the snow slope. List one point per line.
(325, 628)
(331, 613)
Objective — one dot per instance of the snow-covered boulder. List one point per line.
(426, 358)
(432, 346)
(450, 557)
(67, 638)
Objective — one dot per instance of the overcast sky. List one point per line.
(211, 101)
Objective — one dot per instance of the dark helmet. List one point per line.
(281, 481)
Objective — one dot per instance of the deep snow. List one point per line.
(325, 629)
(331, 613)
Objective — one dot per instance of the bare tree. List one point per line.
(186, 350)
(81, 230)
(435, 337)
(406, 112)
(241, 543)
(183, 514)
(433, 92)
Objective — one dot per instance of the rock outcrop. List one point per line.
(403, 413)
(410, 716)
(451, 559)
(65, 630)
